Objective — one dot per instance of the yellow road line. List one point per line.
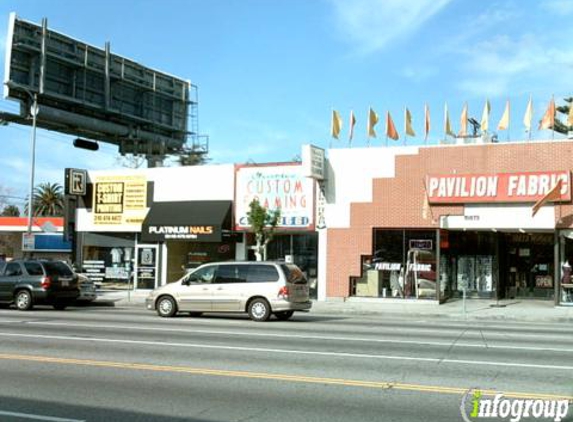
(386, 385)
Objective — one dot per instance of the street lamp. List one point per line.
(34, 113)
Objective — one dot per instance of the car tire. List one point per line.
(259, 310)
(195, 314)
(23, 300)
(60, 306)
(284, 315)
(166, 306)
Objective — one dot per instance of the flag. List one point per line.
(570, 115)
(390, 128)
(464, 121)
(528, 115)
(548, 120)
(352, 123)
(408, 123)
(426, 122)
(504, 122)
(553, 195)
(447, 126)
(372, 120)
(485, 117)
(336, 124)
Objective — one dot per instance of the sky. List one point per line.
(269, 73)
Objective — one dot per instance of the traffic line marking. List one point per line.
(38, 417)
(384, 385)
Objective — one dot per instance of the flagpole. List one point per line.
(509, 118)
(530, 118)
(405, 127)
(331, 127)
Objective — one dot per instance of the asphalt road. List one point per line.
(110, 364)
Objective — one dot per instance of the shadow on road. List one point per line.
(15, 409)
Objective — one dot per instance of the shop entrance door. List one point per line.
(146, 267)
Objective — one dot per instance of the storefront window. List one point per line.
(302, 250)
(566, 273)
(403, 265)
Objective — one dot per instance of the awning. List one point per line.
(200, 221)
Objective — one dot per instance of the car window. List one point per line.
(202, 275)
(231, 274)
(293, 274)
(57, 268)
(13, 269)
(262, 274)
(33, 268)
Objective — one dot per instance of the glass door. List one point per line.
(146, 268)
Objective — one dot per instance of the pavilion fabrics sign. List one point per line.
(281, 187)
(496, 187)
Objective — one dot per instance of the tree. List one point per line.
(263, 223)
(10, 211)
(48, 200)
(561, 127)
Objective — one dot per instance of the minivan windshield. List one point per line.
(293, 274)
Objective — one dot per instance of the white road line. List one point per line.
(479, 345)
(38, 417)
(293, 351)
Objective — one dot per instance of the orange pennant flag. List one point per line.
(548, 120)
(391, 131)
(553, 195)
(426, 122)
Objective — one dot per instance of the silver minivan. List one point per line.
(261, 289)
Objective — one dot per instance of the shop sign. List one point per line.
(313, 162)
(181, 232)
(497, 187)
(119, 199)
(276, 187)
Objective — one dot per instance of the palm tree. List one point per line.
(48, 200)
(10, 211)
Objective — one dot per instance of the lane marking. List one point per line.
(38, 417)
(480, 345)
(386, 385)
(293, 351)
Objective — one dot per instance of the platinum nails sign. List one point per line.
(496, 187)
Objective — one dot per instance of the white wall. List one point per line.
(350, 172)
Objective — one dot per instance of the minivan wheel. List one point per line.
(166, 307)
(284, 315)
(259, 310)
(24, 300)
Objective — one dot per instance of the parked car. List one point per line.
(261, 289)
(29, 282)
(87, 289)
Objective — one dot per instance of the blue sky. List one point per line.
(270, 72)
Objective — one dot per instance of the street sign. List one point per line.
(76, 181)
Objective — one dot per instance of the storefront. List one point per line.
(281, 186)
(143, 228)
(441, 221)
(193, 233)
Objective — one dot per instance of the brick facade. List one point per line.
(397, 202)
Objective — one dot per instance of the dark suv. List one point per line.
(29, 282)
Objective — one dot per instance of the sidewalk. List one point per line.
(475, 309)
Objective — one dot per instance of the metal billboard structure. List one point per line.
(92, 93)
